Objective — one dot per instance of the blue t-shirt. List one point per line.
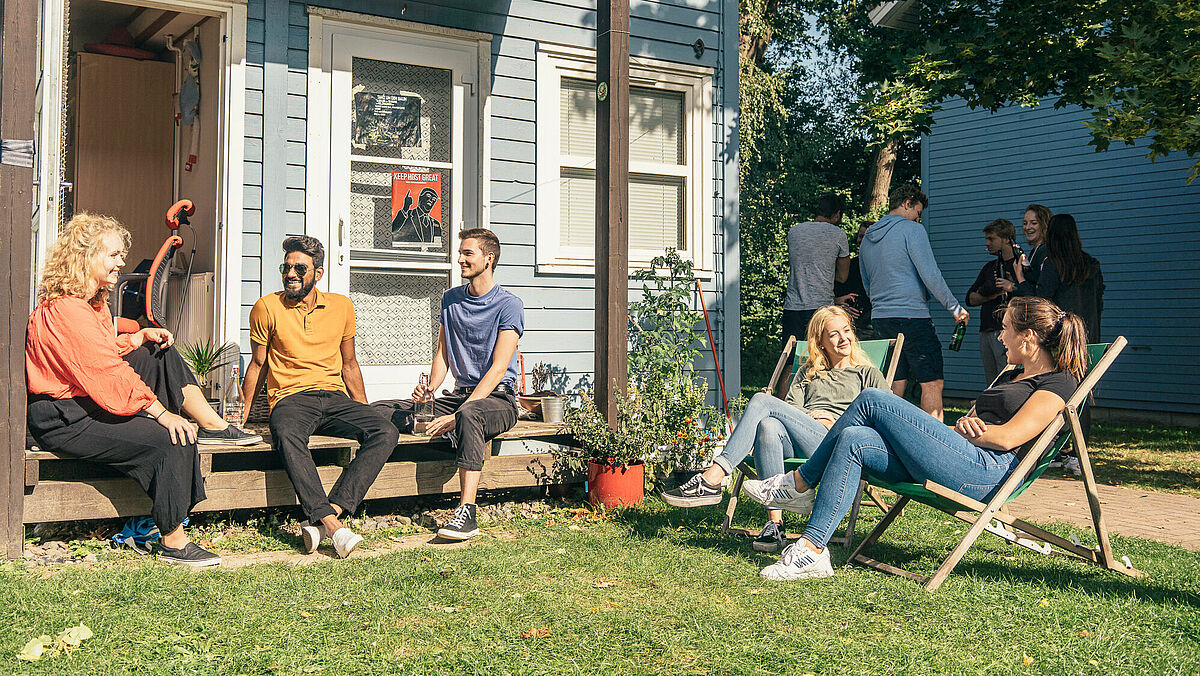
(471, 324)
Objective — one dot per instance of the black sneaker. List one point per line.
(230, 436)
(771, 539)
(462, 524)
(695, 492)
(190, 554)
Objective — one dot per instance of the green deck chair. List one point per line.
(992, 517)
(885, 355)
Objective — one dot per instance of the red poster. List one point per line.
(416, 207)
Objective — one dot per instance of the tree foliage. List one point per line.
(1134, 63)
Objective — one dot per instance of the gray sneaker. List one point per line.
(231, 436)
(779, 492)
(191, 554)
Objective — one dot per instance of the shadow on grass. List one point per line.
(700, 527)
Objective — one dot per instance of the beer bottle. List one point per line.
(960, 332)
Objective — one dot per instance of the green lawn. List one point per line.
(648, 590)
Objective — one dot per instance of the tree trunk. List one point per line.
(881, 174)
(755, 31)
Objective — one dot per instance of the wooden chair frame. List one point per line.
(889, 373)
(992, 516)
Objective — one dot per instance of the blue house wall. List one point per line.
(1140, 219)
(559, 317)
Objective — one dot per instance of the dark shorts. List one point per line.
(921, 356)
(795, 323)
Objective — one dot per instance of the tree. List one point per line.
(1134, 63)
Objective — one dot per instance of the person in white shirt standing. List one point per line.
(818, 253)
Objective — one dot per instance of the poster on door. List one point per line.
(383, 123)
(416, 208)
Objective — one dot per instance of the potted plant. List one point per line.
(544, 399)
(205, 358)
(612, 457)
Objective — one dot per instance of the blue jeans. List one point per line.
(890, 439)
(775, 430)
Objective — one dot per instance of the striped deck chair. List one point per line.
(992, 517)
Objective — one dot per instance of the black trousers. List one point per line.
(134, 445)
(476, 423)
(298, 416)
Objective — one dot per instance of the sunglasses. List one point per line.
(300, 268)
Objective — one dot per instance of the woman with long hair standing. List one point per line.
(836, 372)
(1070, 277)
(112, 399)
(888, 438)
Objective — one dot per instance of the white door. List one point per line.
(403, 181)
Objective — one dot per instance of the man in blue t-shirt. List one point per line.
(481, 323)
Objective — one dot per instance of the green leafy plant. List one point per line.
(665, 340)
(205, 357)
(596, 441)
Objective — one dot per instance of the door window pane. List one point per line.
(396, 315)
(399, 110)
(399, 207)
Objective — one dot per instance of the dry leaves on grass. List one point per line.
(1027, 660)
(604, 584)
(535, 632)
(43, 645)
(444, 609)
(1083, 633)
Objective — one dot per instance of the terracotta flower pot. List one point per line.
(612, 486)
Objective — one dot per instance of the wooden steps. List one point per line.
(61, 488)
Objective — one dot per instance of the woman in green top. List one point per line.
(836, 372)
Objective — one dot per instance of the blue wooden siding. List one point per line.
(559, 307)
(1140, 219)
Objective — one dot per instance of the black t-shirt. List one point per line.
(999, 403)
(985, 285)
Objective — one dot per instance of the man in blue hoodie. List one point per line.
(900, 274)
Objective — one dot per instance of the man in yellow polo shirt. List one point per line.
(302, 343)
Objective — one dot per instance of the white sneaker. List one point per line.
(779, 492)
(312, 536)
(345, 541)
(799, 563)
(1071, 464)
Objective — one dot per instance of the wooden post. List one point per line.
(612, 202)
(17, 79)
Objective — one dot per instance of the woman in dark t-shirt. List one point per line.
(889, 438)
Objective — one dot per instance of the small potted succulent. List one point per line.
(544, 400)
(206, 358)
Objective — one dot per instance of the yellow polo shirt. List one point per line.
(304, 345)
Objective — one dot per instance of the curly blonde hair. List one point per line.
(66, 273)
(818, 362)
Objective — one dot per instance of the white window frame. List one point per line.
(555, 62)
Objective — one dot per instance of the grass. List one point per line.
(648, 590)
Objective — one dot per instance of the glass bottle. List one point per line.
(232, 406)
(423, 412)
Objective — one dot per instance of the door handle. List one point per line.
(341, 241)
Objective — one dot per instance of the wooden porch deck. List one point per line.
(60, 488)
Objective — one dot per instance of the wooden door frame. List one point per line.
(18, 36)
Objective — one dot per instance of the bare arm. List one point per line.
(351, 373)
(841, 271)
(1035, 415)
(256, 373)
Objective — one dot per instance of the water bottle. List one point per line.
(232, 406)
(423, 412)
(960, 332)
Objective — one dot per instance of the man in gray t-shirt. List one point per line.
(818, 253)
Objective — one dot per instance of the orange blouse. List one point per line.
(71, 350)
